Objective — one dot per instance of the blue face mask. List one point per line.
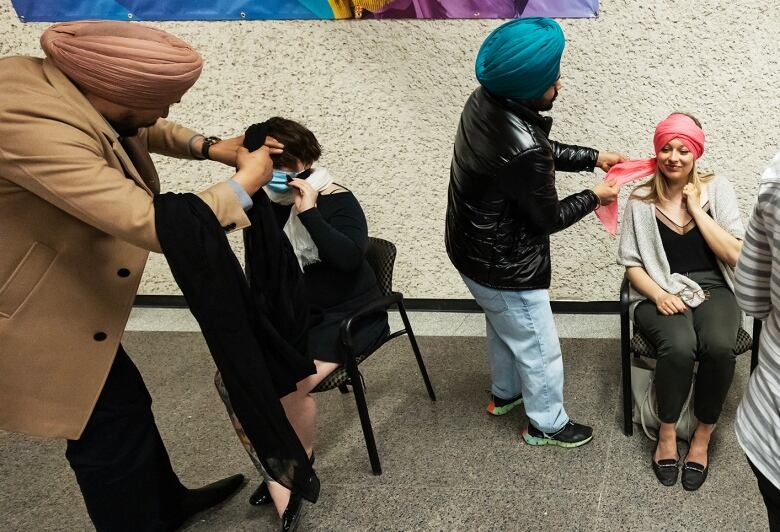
(278, 182)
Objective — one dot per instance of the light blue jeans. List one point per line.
(524, 351)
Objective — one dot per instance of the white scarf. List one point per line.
(305, 249)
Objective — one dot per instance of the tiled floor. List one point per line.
(447, 465)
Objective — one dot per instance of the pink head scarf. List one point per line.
(675, 126)
(126, 63)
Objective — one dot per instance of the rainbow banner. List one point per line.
(64, 10)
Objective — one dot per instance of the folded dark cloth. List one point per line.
(254, 335)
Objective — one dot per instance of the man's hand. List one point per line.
(669, 304)
(254, 168)
(608, 159)
(226, 151)
(607, 191)
(305, 195)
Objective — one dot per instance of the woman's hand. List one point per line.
(669, 304)
(692, 197)
(305, 195)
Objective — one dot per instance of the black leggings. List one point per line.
(707, 333)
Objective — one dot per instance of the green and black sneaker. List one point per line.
(571, 435)
(499, 407)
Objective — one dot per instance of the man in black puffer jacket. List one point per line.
(502, 206)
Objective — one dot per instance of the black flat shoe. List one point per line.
(261, 495)
(201, 499)
(666, 470)
(292, 514)
(694, 475)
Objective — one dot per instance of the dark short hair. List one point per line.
(300, 144)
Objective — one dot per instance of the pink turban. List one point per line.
(126, 63)
(675, 126)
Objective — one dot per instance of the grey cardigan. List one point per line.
(640, 243)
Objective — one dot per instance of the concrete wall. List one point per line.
(384, 99)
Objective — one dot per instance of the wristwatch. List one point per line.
(208, 142)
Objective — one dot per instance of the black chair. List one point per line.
(381, 257)
(640, 346)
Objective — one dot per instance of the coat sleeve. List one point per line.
(753, 274)
(70, 171)
(529, 180)
(570, 158)
(341, 235)
(168, 138)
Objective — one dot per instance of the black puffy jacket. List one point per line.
(502, 204)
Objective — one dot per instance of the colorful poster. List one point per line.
(62, 10)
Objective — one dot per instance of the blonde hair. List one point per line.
(658, 188)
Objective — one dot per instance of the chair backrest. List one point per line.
(381, 257)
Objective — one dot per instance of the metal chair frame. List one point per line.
(379, 250)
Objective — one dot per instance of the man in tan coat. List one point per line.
(76, 227)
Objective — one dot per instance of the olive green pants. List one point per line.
(707, 333)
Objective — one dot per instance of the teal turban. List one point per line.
(522, 58)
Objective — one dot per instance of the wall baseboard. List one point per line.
(421, 305)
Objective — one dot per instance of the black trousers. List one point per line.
(707, 332)
(120, 461)
(771, 495)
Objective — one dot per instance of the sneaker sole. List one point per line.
(534, 440)
(494, 410)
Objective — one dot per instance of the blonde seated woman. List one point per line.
(679, 242)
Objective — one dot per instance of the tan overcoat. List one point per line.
(76, 227)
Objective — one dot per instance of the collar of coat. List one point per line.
(543, 122)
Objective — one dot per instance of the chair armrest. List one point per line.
(383, 303)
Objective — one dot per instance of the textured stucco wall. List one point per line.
(384, 98)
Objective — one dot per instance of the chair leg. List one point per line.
(365, 421)
(343, 388)
(416, 349)
(756, 338)
(625, 356)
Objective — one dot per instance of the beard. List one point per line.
(124, 127)
(541, 104)
(127, 124)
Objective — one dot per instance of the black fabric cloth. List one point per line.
(343, 281)
(771, 495)
(252, 335)
(254, 136)
(502, 204)
(688, 252)
(120, 461)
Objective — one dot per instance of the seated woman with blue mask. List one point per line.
(329, 234)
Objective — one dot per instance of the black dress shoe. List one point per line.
(694, 475)
(292, 514)
(666, 470)
(200, 499)
(261, 495)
